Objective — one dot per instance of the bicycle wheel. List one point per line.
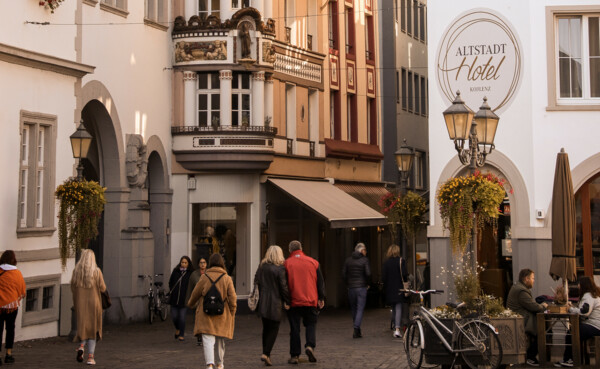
(150, 310)
(162, 306)
(482, 344)
(413, 341)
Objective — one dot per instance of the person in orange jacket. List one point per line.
(12, 290)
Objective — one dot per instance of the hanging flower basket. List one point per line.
(408, 211)
(81, 206)
(461, 197)
(50, 4)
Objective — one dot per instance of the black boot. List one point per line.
(357, 333)
(9, 359)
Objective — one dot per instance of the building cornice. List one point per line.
(15, 55)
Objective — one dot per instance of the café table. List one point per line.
(545, 332)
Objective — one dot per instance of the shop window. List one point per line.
(219, 228)
(240, 100)
(36, 175)
(41, 300)
(209, 99)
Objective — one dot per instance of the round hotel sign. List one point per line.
(479, 55)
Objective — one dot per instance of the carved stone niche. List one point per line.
(136, 161)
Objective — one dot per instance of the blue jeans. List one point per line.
(358, 299)
(397, 314)
(178, 315)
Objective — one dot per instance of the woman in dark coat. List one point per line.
(178, 286)
(392, 282)
(274, 295)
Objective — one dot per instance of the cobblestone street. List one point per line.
(142, 345)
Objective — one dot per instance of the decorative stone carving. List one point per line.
(268, 52)
(136, 161)
(205, 50)
(245, 40)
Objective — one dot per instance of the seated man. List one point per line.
(521, 301)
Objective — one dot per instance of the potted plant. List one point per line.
(268, 121)
(462, 198)
(407, 211)
(50, 4)
(81, 206)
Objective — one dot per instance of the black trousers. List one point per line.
(10, 319)
(269, 335)
(308, 315)
(532, 349)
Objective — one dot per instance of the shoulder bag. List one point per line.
(106, 303)
(255, 294)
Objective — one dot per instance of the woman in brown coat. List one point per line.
(86, 284)
(214, 328)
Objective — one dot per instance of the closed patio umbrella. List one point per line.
(563, 222)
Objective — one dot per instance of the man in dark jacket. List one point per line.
(307, 295)
(356, 274)
(521, 301)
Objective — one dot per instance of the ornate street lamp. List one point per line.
(404, 159)
(80, 144)
(480, 130)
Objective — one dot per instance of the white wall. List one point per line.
(527, 134)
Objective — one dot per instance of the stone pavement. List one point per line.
(146, 346)
(142, 345)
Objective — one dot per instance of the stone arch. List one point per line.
(160, 199)
(584, 171)
(500, 165)
(101, 119)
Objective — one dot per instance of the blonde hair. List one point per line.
(393, 251)
(85, 270)
(274, 255)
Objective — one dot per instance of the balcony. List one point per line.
(224, 148)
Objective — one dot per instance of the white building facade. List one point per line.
(537, 62)
(104, 63)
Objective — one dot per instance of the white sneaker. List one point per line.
(398, 333)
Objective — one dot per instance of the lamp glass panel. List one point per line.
(404, 161)
(486, 130)
(459, 124)
(76, 146)
(85, 146)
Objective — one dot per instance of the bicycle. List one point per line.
(474, 339)
(157, 300)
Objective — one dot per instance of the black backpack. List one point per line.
(213, 301)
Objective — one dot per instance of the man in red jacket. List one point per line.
(307, 295)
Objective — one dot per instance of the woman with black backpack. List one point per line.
(178, 285)
(215, 314)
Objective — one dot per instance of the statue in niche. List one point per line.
(136, 161)
(245, 41)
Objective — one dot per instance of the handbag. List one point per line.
(405, 285)
(253, 298)
(106, 303)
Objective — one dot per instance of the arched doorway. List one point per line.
(587, 246)
(102, 165)
(160, 199)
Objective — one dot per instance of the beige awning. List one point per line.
(367, 193)
(341, 209)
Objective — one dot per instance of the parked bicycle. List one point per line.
(474, 339)
(157, 298)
